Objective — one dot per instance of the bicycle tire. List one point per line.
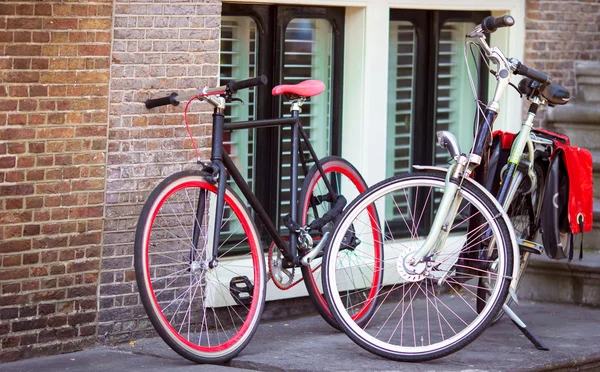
(384, 334)
(206, 315)
(340, 173)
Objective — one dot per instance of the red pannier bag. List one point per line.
(568, 197)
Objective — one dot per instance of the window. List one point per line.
(288, 45)
(428, 87)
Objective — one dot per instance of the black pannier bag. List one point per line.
(554, 224)
(567, 205)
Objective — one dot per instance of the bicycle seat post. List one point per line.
(295, 111)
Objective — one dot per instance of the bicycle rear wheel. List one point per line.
(314, 203)
(206, 314)
(428, 312)
(524, 212)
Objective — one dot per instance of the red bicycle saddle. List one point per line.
(307, 88)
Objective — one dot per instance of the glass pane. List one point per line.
(307, 53)
(400, 110)
(239, 47)
(455, 106)
(238, 60)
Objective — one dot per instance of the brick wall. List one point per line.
(54, 66)
(558, 33)
(158, 47)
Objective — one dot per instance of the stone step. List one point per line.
(585, 133)
(577, 282)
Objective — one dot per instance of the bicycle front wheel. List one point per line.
(425, 310)
(315, 201)
(206, 313)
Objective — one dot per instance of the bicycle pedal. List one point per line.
(529, 246)
(241, 290)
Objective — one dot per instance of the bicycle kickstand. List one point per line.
(523, 328)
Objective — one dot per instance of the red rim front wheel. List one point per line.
(205, 313)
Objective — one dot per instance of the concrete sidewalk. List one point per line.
(308, 344)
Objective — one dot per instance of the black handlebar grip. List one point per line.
(169, 100)
(521, 69)
(491, 24)
(234, 86)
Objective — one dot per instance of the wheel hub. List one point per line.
(196, 267)
(410, 269)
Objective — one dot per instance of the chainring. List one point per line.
(283, 278)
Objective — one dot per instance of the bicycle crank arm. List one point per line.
(307, 259)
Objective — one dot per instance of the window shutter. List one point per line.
(401, 72)
(238, 61)
(306, 55)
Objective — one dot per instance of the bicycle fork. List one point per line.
(451, 200)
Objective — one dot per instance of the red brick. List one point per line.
(8, 161)
(16, 148)
(14, 203)
(14, 176)
(94, 50)
(31, 258)
(43, 9)
(22, 77)
(15, 246)
(36, 119)
(12, 261)
(27, 325)
(11, 288)
(9, 105)
(24, 9)
(38, 271)
(22, 37)
(60, 24)
(6, 37)
(35, 175)
(17, 119)
(23, 189)
(30, 285)
(7, 9)
(14, 274)
(41, 37)
(34, 202)
(24, 23)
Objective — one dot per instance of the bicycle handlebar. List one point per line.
(168, 100)
(491, 24)
(521, 69)
(231, 88)
(234, 86)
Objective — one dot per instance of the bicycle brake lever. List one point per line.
(516, 88)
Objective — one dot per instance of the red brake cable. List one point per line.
(187, 126)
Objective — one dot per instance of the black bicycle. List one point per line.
(199, 259)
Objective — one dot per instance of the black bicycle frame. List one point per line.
(221, 160)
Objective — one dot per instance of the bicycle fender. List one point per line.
(513, 237)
